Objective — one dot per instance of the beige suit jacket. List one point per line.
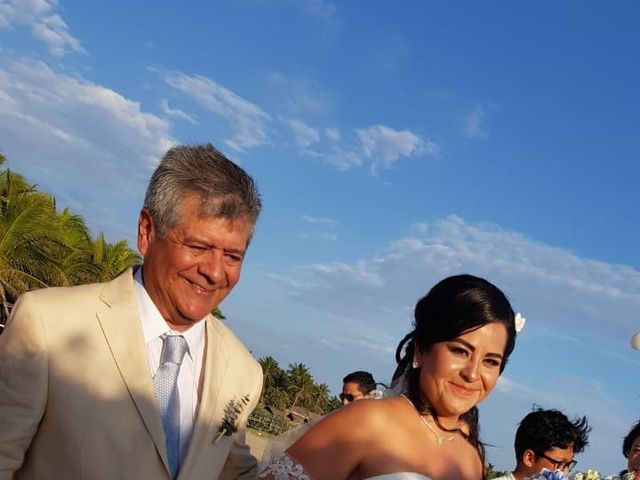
(77, 399)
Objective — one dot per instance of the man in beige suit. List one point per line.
(90, 386)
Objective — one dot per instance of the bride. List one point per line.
(464, 333)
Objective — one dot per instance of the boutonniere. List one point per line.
(230, 420)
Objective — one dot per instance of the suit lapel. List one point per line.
(122, 329)
(211, 409)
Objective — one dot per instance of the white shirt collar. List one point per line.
(154, 325)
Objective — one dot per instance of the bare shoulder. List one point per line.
(346, 436)
(358, 422)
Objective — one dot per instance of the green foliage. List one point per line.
(300, 383)
(41, 247)
(295, 387)
(277, 398)
(318, 401)
(264, 421)
(334, 404)
(493, 473)
(272, 374)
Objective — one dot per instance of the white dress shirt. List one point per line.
(153, 328)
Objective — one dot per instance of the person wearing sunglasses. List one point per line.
(547, 439)
(356, 386)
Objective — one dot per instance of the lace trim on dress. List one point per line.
(283, 467)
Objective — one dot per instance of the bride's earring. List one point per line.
(415, 364)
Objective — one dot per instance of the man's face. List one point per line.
(553, 459)
(350, 393)
(633, 465)
(195, 266)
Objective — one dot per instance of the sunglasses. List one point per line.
(347, 396)
(559, 464)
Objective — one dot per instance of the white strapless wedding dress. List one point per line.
(283, 467)
(399, 476)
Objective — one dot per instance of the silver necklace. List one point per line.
(439, 438)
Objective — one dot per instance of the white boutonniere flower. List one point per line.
(230, 420)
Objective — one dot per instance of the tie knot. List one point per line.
(173, 349)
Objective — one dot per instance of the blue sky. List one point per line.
(394, 144)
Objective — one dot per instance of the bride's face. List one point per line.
(457, 374)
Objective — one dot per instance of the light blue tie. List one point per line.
(166, 385)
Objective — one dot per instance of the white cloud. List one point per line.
(384, 145)
(332, 134)
(326, 221)
(45, 25)
(359, 273)
(378, 145)
(300, 95)
(175, 112)
(82, 141)
(303, 133)
(319, 227)
(247, 121)
(318, 8)
(474, 123)
(420, 227)
(341, 158)
(595, 295)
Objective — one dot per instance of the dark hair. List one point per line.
(224, 189)
(365, 381)
(542, 430)
(454, 306)
(630, 438)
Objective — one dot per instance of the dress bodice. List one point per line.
(399, 476)
(283, 467)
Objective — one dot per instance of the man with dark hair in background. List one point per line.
(631, 449)
(547, 439)
(356, 386)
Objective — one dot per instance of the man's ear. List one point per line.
(528, 458)
(146, 231)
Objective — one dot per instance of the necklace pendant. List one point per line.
(439, 440)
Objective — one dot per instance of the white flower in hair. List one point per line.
(520, 321)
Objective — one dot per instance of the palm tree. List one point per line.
(30, 240)
(493, 473)
(300, 383)
(77, 260)
(321, 394)
(111, 259)
(271, 372)
(41, 248)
